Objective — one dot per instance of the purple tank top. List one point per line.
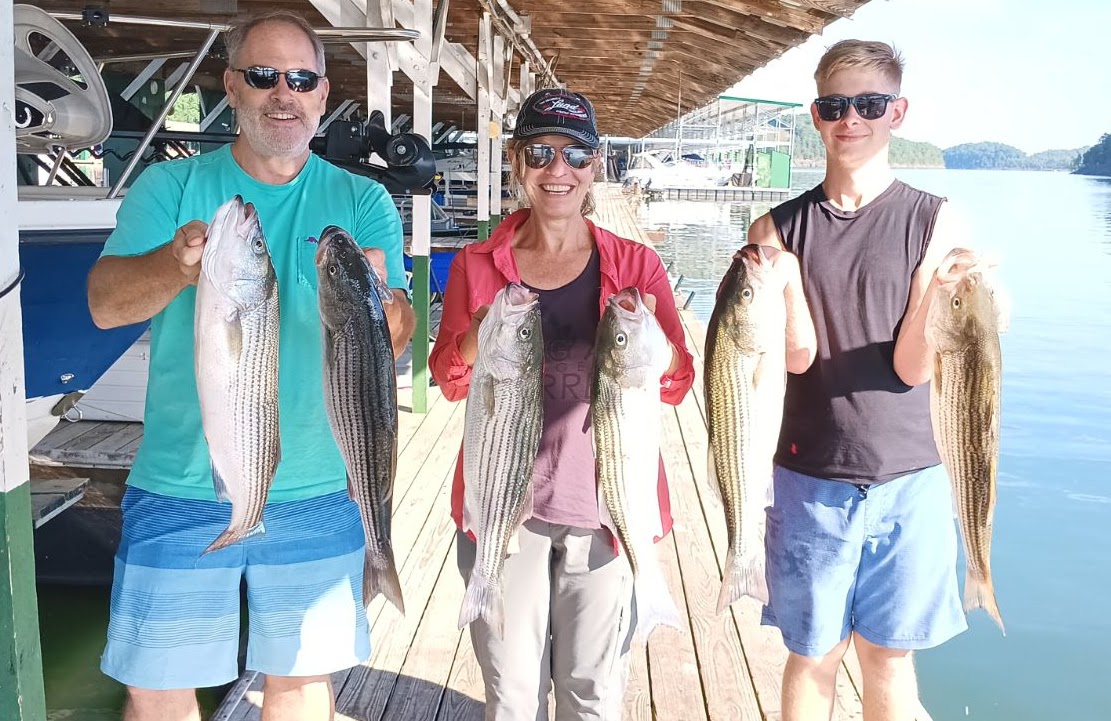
(850, 417)
(565, 490)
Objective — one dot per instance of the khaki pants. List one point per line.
(568, 625)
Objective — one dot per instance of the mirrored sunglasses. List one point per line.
(869, 106)
(538, 156)
(263, 78)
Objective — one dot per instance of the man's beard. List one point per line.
(271, 141)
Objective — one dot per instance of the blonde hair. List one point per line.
(236, 36)
(861, 55)
(514, 148)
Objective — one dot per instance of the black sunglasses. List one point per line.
(263, 78)
(539, 156)
(870, 106)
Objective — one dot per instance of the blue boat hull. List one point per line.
(63, 351)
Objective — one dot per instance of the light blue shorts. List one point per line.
(881, 564)
(175, 614)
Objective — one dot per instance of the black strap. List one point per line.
(13, 285)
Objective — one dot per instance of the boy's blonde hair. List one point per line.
(861, 55)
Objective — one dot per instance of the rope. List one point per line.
(13, 285)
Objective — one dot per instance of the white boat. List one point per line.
(661, 168)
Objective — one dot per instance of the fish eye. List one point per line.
(621, 339)
(956, 303)
(333, 269)
(524, 333)
(746, 293)
(258, 245)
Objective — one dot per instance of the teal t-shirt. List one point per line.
(173, 456)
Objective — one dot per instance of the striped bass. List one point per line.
(631, 353)
(963, 324)
(235, 329)
(746, 372)
(501, 435)
(360, 393)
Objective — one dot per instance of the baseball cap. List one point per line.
(554, 111)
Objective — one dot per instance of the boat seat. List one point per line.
(55, 108)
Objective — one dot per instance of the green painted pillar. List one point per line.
(21, 685)
(420, 336)
(495, 219)
(22, 697)
(483, 229)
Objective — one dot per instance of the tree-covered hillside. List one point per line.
(1097, 160)
(998, 156)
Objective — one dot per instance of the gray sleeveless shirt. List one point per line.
(850, 417)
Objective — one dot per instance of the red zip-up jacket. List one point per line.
(480, 270)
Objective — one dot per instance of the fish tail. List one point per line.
(979, 592)
(744, 576)
(233, 534)
(382, 580)
(483, 599)
(654, 605)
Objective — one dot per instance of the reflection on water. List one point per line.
(1052, 548)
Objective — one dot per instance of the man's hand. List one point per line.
(377, 258)
(187, 247)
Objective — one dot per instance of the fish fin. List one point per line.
(233, 333)
(468, 525)
(742, 577)
(382, 580)
(484, 600)
(654, 604)
(604, 515)
(220, 486)
(352, 491)
(231, 535)
(979, 592)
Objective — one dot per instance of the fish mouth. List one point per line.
(329, 237)
(519, 295)
(627, 301)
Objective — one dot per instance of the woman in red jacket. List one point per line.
(568, 596)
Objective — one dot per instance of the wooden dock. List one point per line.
(724, 192)
(721, 668)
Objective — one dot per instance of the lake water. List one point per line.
(1051, 556)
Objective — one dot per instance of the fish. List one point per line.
(744, 386)
(631, 354)
(235, 337)
(963, 324)
(360, 393)
(501, 435)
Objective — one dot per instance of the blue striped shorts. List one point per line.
(175, 613)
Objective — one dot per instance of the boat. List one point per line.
(662, 168)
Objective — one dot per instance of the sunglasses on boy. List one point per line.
(263, 78)
(869, 106)
(538, 155)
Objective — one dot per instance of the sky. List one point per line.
(1035, 74)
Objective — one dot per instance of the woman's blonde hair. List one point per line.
(515, 150)
(861, 55)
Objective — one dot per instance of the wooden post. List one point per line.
(21, 686)
(421, 71)
(482, 124)
(497, 105)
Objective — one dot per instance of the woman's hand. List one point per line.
(468, 344)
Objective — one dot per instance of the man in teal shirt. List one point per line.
(175, 613)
